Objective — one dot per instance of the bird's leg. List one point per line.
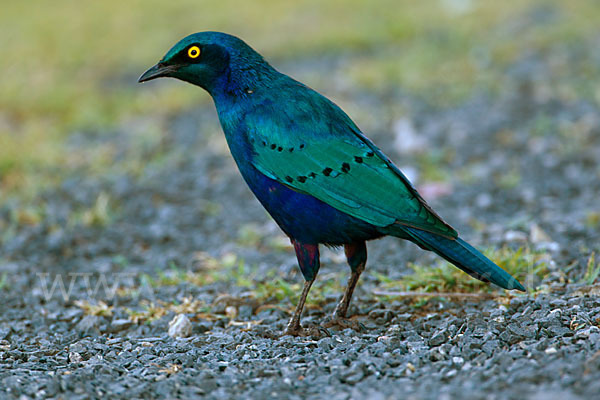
(308, 260)
(342, 308)
(356, 254)
(293, 327)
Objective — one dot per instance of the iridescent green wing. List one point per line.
(325, 155)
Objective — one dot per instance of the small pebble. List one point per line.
(180, 326)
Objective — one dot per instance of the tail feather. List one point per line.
(465, 257)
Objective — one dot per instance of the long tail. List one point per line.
(465, 257)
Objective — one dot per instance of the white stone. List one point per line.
(180, 326)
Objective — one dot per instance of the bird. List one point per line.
(314, 171)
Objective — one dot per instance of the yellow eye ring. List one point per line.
(193, 52)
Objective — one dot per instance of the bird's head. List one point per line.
(210, 60)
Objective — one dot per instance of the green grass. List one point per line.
(433, 165)
(279, 290)
(524, 264)
(101, 213)
(3, 280)
(265, 289)
(99, 308)
(227, 268)
(592, 270)
(72, 66)
(592, 219)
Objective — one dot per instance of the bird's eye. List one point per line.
(193, 52)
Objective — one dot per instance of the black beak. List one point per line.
(158, 71)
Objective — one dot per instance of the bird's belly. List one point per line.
(304, 217)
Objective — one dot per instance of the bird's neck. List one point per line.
(236, 95)
(241, 84)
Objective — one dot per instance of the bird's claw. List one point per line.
(343, 323)
(313, 331)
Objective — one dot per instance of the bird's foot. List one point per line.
(343, 323)
(312, 331)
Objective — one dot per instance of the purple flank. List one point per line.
(304, 217)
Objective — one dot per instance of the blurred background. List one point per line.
(71, 67)
(491, 108)
(121, 208)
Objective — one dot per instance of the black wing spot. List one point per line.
(280, 149)
(345, 167)
(301, 179)
(370, 154)
(273, 146)
(327, 171)
(291, 149)
(289, 179)
(264, 143)
(302, 146)
(312, 175)
(358, 159)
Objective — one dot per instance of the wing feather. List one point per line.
(326, 156)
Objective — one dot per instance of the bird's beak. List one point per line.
(158, 71)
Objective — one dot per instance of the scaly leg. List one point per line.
(342, 307)
(293, 327)
(308, 260)
(356, 254)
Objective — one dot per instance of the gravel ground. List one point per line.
(520, 166)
